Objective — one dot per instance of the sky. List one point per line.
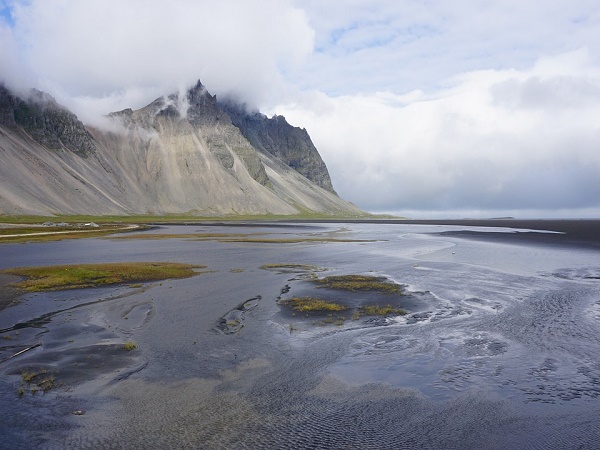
(420, 108)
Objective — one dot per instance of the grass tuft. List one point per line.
(129, 346)
(28, 376)
(47, 383)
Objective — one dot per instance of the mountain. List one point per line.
(181, 154)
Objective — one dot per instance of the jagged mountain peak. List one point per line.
(199, 90)
(195, 105)
(203, 108)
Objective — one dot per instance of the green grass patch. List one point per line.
(356, 283)
(129, 346)
(53, 278)
(312, 304)
(28, 376)
(378, 310)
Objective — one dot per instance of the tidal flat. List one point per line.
(453, 336)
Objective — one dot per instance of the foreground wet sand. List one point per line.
(462, 369)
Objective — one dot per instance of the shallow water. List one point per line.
(499, 348)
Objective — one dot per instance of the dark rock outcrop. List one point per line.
(203, 108)
(277, 137)
(48, 123)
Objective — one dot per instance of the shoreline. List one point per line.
(573, 232)
(569, 232)
(577, 232)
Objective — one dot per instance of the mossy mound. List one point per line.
(312, 304)
(357, 283)
(76, 276)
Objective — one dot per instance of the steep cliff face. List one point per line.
(275, 136)
(180, 154)
(48, 123)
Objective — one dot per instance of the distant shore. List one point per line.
(572, 232)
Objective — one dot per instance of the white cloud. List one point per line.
(496, 140)
(110, 53)
(369, 45)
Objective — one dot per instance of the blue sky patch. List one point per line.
(5, 13)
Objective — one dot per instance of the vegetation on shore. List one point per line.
(35, 381)
(30, 230)
(331, 310)
(129, 346)
(291, 267)
(378, 310)
(306, 304)
(183, 218)
(335, 312)
(315, 304)
(356, 283)
(53, 278)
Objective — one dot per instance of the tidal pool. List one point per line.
(498, 347)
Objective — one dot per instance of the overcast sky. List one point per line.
(420, 108)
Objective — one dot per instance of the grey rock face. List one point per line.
(7, 107)
(201, 110)
(277, 137)
(46, 122)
